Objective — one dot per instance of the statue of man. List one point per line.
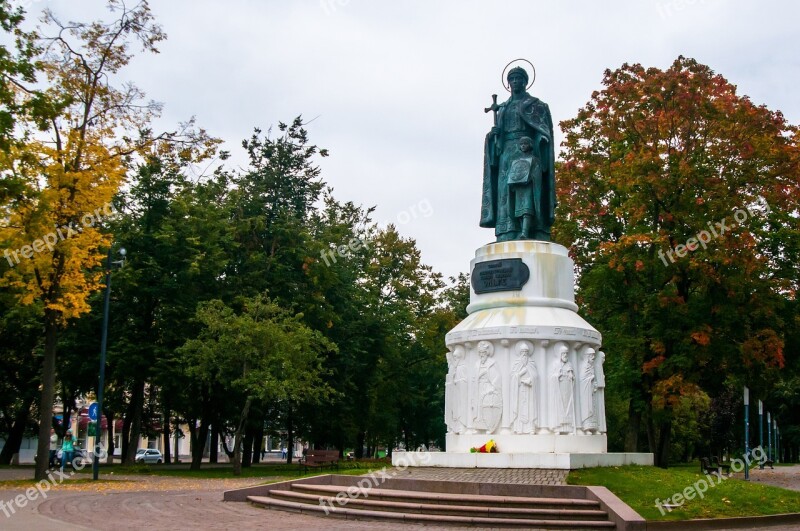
(600, 381)
(456, 392)
(564, 387)
(519, 192)
(490, 391)
(524, 388)
(588, 390)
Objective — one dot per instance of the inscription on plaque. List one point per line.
(508, 274)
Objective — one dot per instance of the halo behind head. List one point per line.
(530, 78)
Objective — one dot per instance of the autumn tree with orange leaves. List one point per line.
(678, 199)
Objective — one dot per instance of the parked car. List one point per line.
(149, 455)
(79, 458)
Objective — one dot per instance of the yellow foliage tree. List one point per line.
(63, 179)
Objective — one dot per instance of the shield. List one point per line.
(520, 171)
(491, 410)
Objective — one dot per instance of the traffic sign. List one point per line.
(92, 431)
(93, 411)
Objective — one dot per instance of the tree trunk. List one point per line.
(177, 439)
(137, 401)
(48, 393)
(258, 442)
(126, 430)
(360, 445)
(199, 436)
(634, 424)
(110, 431)
(213, 454)
(651, 432)
(229, 453)
(167, 456)
(17, 431)
(664, 440)
(289, 436)
(237, 440)
(247, 451)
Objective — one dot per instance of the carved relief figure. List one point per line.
(490, 405)
(600, 395)
(524, 387)
(588, 389)
(564, 386)
(455, 395)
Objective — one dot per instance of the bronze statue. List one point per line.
(519, 193)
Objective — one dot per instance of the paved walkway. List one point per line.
(137, 502)
(787, 477)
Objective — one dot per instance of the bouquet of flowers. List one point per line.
(488, 448)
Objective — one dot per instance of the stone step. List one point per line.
(344, 512)
(453, 499)
(432, 508)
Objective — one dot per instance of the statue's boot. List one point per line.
(527, 221)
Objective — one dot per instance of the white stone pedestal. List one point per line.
(524, 370)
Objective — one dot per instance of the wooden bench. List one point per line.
(724, 467)
(766, 462)
(707, 468)
(320, 458)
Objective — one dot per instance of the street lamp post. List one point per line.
(769, 436)
(761, 425)
(775, 440)
(103, 342)
(746, 433)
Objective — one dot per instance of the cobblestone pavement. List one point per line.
(527, 476)
(139, 502)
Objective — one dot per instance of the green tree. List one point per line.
(20, 343)
(177, 239)
(262, 353)
(18, 71)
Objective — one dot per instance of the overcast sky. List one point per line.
(397, 89)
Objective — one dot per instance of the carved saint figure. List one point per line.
(519, 193)
(564, 385)
(524, 405)
(456, 392)
(490, 392)
(600, 395)
(588, 389)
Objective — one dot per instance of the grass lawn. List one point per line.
(272, 471)
(226, 471)
(640, 486)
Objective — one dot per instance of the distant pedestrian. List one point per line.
(67, 449)
(283, 452)
(53, 448)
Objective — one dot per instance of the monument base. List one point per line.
(560, 461)
(524, 369)
(527, 444)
